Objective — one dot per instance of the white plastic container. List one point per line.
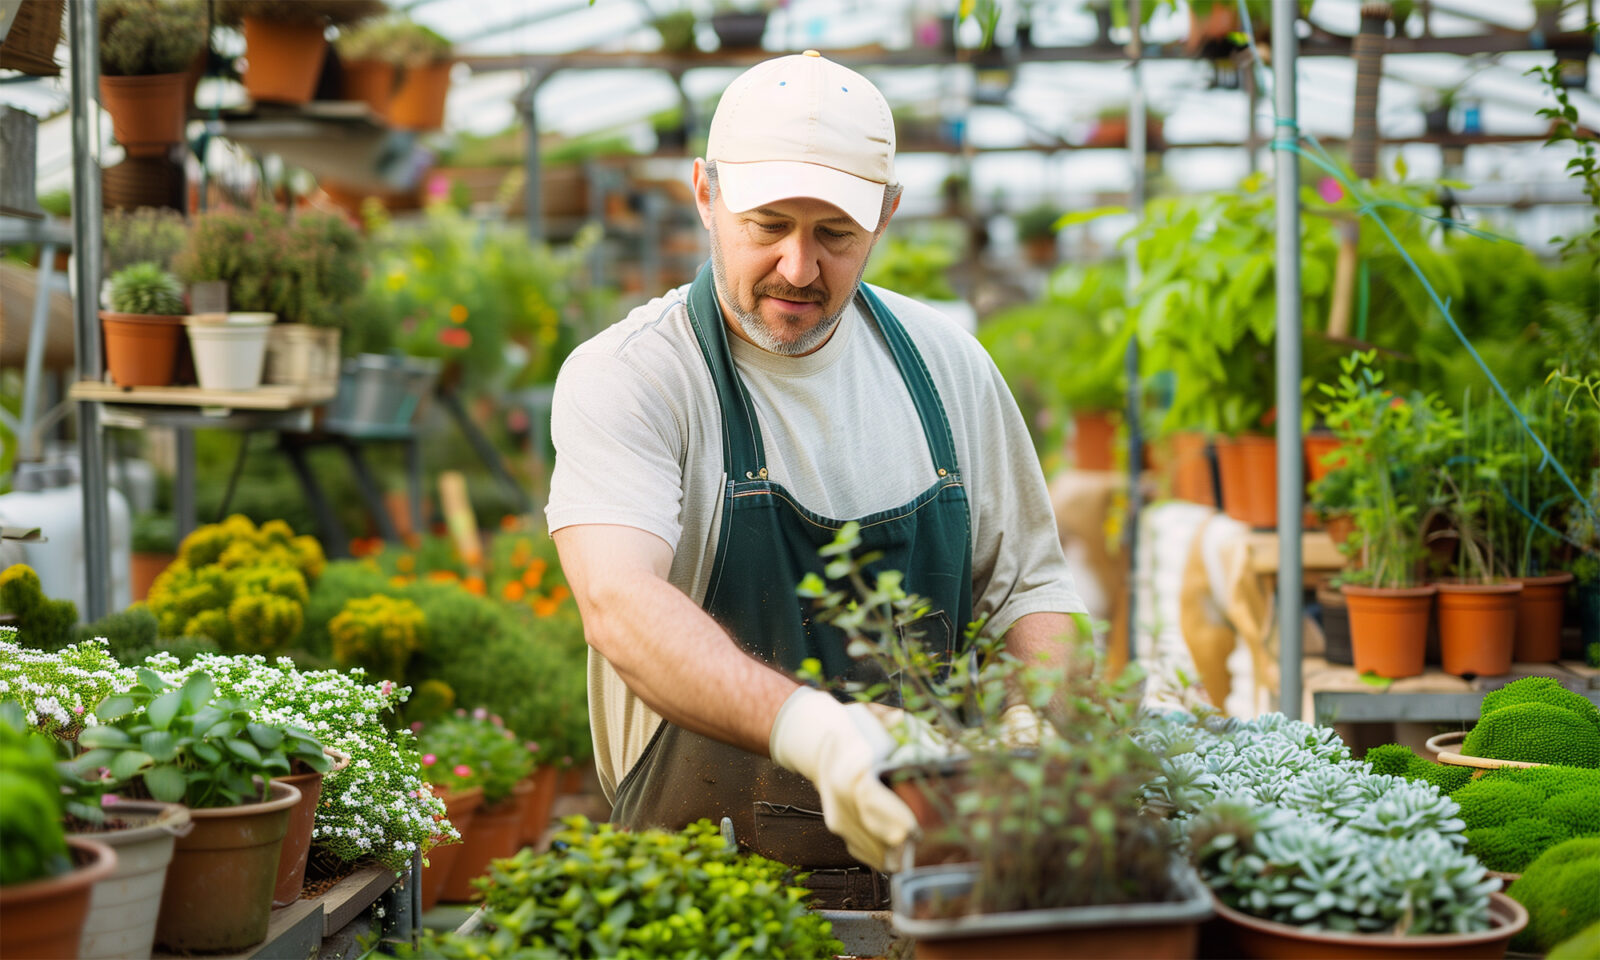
(229, 355)
(60, 562)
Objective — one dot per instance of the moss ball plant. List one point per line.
(1561, 890)
(1541, 690)
(1535, 732)
(1397, 760)
(1584, 946)
(1514, 815)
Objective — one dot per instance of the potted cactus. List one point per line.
(142, 325)
(146, 48)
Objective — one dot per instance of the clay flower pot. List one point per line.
(1253, 937)
(495, 835)
(44, 918)
(572, 779)
(219, 885)
(141, 351)
(147, 113)
(372, 81)
(1249, 468)
(1477, 623)
(418, 102)
(1317, 447)
(123, 906)
(1540, 607)
(1389, 628)
(537, 803)
(1094, 434)
(283, 59)
(1192, 468)
(297, 841)
(461, 809)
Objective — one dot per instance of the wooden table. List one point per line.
(1337, 694)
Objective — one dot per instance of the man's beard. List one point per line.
(755, 327)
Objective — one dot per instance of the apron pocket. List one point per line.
(798, 837)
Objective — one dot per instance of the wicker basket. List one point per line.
(303, 356)
(30, 46)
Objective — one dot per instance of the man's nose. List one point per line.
(798, 262)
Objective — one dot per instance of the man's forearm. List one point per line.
(684, 666)
(1049, 643)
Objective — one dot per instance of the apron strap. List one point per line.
(743, 455)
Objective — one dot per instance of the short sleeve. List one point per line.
(618, 449)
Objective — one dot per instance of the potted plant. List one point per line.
(45, 878)
(401, 68)
(367, 68)
(185, 744)
(676, 28)
(285, 42)
(1395, 445)
(1111, 129)
(1036, 229)
(740, 24)
(142, 326)
(154, 549)
(1478, 609)
(471, 749)
(146, 47)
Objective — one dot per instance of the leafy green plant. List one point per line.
(474, 749)
(304, 270)
(181, 744)
(1513, 815)
(605, 892)
(398, 40)
(912, 268)
(154, 532)
(48, 624)
(146, 37)
(1535, 733)
(32, 842)
(145, 288)
(1395, 760)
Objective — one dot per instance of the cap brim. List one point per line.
(745, 186)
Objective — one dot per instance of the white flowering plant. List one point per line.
(378, 806)
(58, 690)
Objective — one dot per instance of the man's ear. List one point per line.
(702, 192)
(878, 233)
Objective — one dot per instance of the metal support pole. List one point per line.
(84, 72)
(532, 206)
(1136, 153)
(185, 511)
(30, 448)
(1290, 482)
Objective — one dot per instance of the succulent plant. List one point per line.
(145, 288)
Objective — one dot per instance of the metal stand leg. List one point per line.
(485, 450)
(183, 505)
(334, 541)
(233, 477)
(368, 485)
(414, 485)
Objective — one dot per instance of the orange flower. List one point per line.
(442, 576)
(532, 576)
(510, 522)
(474, 586)
(559, 592)
(405, 563)
(544, 606)
(458, 314)
(399, 581)
(513, 591)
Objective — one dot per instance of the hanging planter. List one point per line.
(229, 352)
(219, 887)
(44, 918)
(283, 59)
(418, 102)
(123, 906)
(297, 840)
(370, 81)
(1477, 624)
(461, 809)
(147, 113)
(400, 68)
(1389, 628)
(740, 29)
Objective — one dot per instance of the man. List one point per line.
(705, 447)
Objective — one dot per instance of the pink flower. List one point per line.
(1330, 190)
(78, 710)
(416, 726)
(109, 800)
(388, 685)
(429, 759)
(494, 718)
(461, 711)
(510, 734)
(462, 770)
(481, 713)
(532, 746)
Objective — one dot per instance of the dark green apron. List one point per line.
(768, 541)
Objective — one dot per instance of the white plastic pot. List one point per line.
(123, 907)
(229, 356)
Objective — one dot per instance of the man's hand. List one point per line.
(835, 747)
(1021, 727)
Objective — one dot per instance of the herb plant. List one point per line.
(146, 37)
(181, 744)
(146, 289)
(32, 842)
(604, 892)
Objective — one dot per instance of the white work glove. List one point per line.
(835, 747)
(1021, 727)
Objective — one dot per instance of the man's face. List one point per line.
(785, 271)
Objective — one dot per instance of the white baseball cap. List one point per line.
(803, 126)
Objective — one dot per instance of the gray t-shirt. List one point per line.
(637, 433)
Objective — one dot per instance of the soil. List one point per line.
(75, 825)
(324, 872)
(943, 907)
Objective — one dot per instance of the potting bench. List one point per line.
(1338, 694)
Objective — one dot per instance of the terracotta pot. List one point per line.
(1253, 937)
(537, 804)
(283, 59)
(147, 113)
(1540, 607)
(144, 570)
(123, 906)
(1249, 468)
(1041, 251)
(1214, 29)
(1094, 435)
(44, 918)
(1389, 628)
(141, 351)
(418, 102)
(929, 790)
(1341, 528)
(1317, 447)
(1192, 468)
(219, 886)
(297, 841)
(1477, 626)
(1335, 625)
(461, 808)
(572, 779)
(494, 836)
(372, 81)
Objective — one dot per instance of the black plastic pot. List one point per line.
(740, 31)
(1335, 625)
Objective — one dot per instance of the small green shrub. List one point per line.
(1514, 815)
(606, 892)
(1584, 946)
(1510, 848)
(1541, 690)
(378, 633)
(1396, 760)
(147, 37)
(45, 623)
(148, 290)
(32, 842)
(1559, 890)
(1535, 732)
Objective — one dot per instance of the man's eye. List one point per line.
(834, 234)
(772, 227)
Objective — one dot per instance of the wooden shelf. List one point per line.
(266, 397)
(1336, 693)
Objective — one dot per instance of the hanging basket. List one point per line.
(30, 45)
